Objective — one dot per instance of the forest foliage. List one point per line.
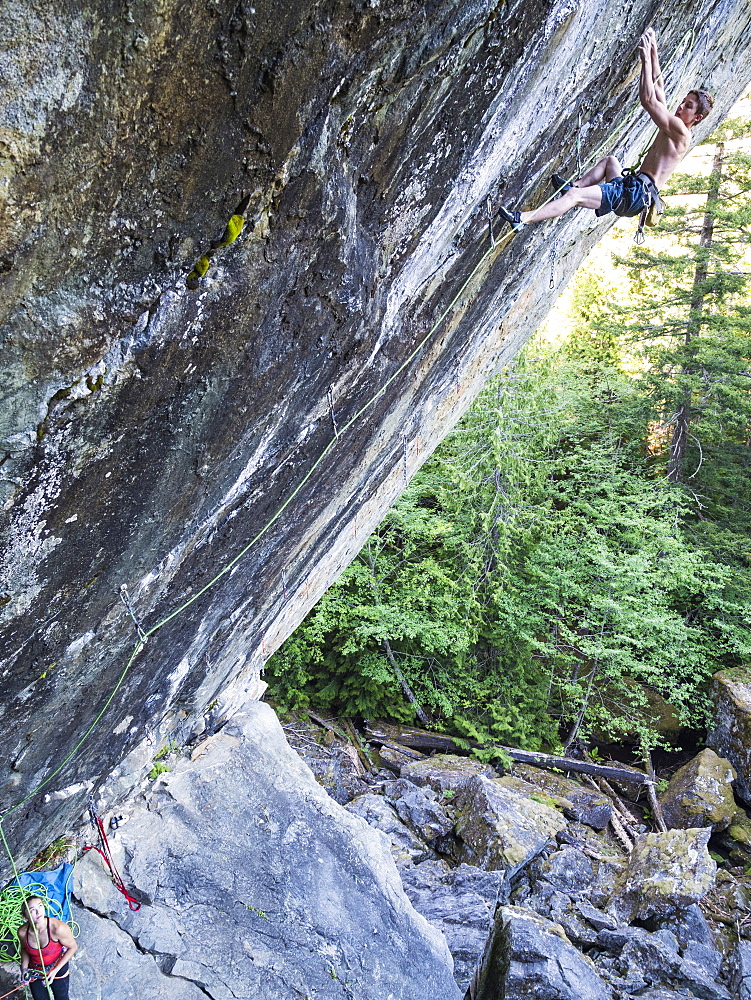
(581, 543)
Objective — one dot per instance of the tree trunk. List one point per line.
(681, 427)
(406, 689)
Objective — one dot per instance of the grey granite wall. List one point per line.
(151, 432)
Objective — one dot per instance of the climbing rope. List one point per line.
(12, 915)
(22, 986)
(232, 231)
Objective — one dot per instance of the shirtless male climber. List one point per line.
(605, 188)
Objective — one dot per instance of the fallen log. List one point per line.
(421, 739)
(394, 756)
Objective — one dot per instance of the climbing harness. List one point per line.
(49, 886)
(104, 850)
(17, 881)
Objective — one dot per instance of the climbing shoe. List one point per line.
(513, 218)
(560, 184)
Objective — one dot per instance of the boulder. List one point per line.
(740, 829)
(406, 847)
(732, 896)
(550, 887)
(565, 912)
(109, 964)
(730, 732)
(632, 701)
(419, 808)
(701, 794)
(530, 957)
(597, 918)
(546, 901)
(654, 955)
(741, 979)
(737, 840)
(569, 870)
(577, 930)
(608, 861)
(654, 959)
(446, 773)
(615, 939)
(577, 802)
(337, 776)
(705, 957)
(599, 843)
(260, 885)
(460, 902)
(501, 824)
(689, 926)
(664, 871)
(701, 981)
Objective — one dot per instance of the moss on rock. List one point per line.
(665, 871)
(701, 794)
(502, 825)
(730, 734)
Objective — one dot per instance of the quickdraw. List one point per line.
(104, 850)
(553, 262)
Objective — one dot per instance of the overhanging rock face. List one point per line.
(152, 433)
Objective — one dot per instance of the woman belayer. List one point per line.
(47, 946)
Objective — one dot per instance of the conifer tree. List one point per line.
(581, 542)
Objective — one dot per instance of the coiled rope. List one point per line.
(11, 892)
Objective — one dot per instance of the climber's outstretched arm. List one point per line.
(656, 71)
(652, 99)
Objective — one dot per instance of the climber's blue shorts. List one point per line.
(627, 196)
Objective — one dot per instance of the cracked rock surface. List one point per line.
(255, 884)
(149, 433)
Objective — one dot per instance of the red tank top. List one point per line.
(46, 956)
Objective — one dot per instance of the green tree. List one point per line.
(582, 538)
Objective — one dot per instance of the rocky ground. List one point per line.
(536, 894)
(261, 876)
(253, 882)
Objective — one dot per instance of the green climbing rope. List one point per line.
(16, 880)
(12, 915)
